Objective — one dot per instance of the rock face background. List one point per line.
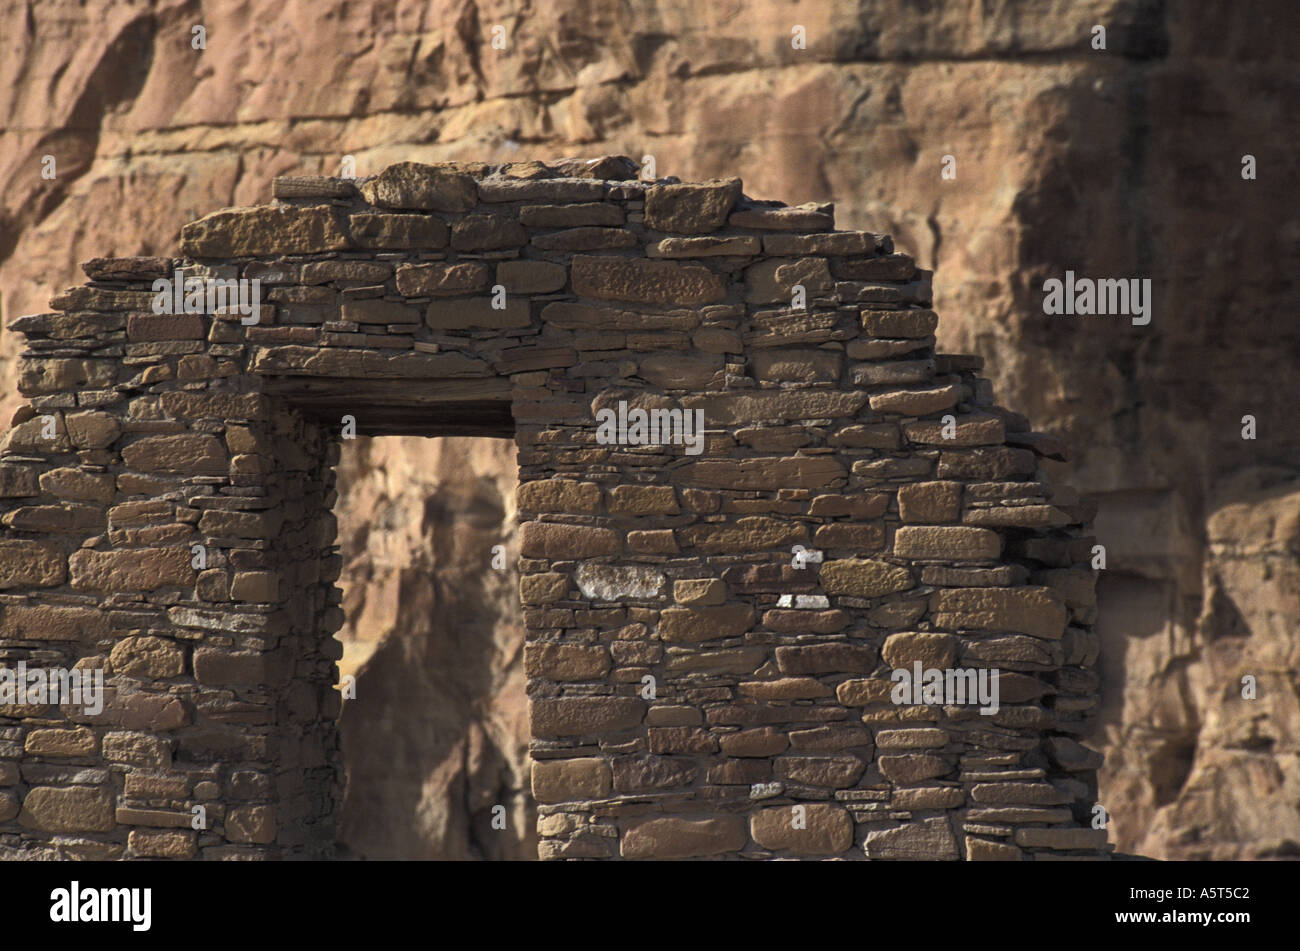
(1117, 163)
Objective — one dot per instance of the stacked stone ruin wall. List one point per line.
(697, 687)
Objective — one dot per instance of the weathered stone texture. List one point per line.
(719, 585)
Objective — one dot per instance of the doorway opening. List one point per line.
(435, 736)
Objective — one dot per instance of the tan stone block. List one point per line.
(689, 625)
(137, 749)
(190, 453)
(56, 742)
(834, 243)
(71, 809)
(647, 281)
(21, 481)
(1018, 794)
(143, 328)
(872, 505)
(753, 533)
(681, 739)
(831, 738)
(770, 474)
(486, 232)
(774, 281)
(78, 486)
(700, 592)
(839, 536)
(930, 502)
(711, 246)
(863, 578)
(566, 661)
(760, 742)
(60, 375)
(415, 186)
(577, 716)
(322, 272)
(805, 829)
(66, 518)
(968, 430)
(785, 688)
(731, 660)
(213, 585)
(263, 230)
(809, 216)
(92, 429)
(913, 738)
(837, 658)
(30, 564)
(864, 691)
(152, 844)
(426, 280)
(545, 588)
(777, 406)
(912, 767)
(642, 500)
(916, 401)
(557, 824)
(899, 323)
(144, 785)
(797, 366)
(560, 496)
(149, 711)
(831, 772)
(675, 371)
(1064, 839)
(265, 525)
(928, 797)
(1031, 610)
(982, 850)
(255, 586)
(1019, 516)
(585, 239)
(147, 658)
(144, 569)
(805, 621)
(254, 824)
(668, 715)
(570, 779)
(654, 542)
(924, 840)
(934, 651)
(691, 208)
(947, 543)
(683, 838)
(1008, 815)
(560, 542)
(50, 623)
(217, 667)
(397, 232)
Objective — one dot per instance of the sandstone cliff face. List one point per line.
(1117, 163)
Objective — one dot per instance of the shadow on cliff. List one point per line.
(429, 742)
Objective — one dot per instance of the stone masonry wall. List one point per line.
(694, 690)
